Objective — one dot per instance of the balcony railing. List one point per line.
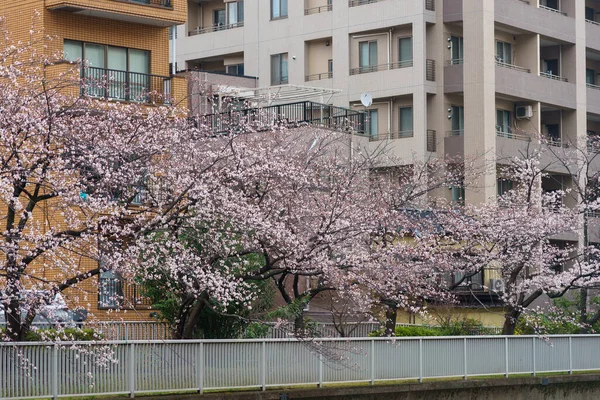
(216, 28)
(430, 70)
(354, 3)
(160, 3)
(592, 86)
(455, 132)
(318, 10)
(512, 66)
(318, 77)
(512, 135)
(592, 22)
(430, 5)
(552, 76)
(381, 67)
(431, 140)
(553, 10)
(391, 135)
(126, 86)
(290, 115)
(454, 61)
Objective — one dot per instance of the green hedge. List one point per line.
(66, 334)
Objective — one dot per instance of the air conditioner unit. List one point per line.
(524, 112)
(497, 285)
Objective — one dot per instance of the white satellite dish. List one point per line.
(366, 99)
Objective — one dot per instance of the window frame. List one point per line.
(370, 44)
(279, 3)
(412, 123)
(400, 39)
(281, 81)
(106, 46)
(506, 56)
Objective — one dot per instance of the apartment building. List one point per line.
(465, 78)
(127, 41)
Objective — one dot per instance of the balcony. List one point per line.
(552, 76)
(216, 28)
(355, 3)
(381, 67)
(318, 9)
(554, 10)
(126, 86)
(318, 77)
(391, 136)
(512, 66)
(148, 12)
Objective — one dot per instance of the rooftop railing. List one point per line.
(318, 10)
(216, 28)
(113, 84)
(381, 67)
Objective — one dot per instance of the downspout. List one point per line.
(390, 109)
(173, 50)
(389, 52)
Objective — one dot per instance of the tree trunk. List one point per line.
(299, 325)
(583, 311)
(189, 316)
(12, 312)
(510, 322)
(391, 313)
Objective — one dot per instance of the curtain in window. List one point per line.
(139, 68)
(405, 49)
(367, 54)
(95, 56)
(73, 50)
(117, 77)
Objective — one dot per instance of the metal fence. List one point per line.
(131, 330)
(38, 370)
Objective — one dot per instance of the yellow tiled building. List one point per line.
(127, 39)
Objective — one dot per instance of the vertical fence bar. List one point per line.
(200, 367)
(131, 374)
(55, 372)
(465, 357)
(263, 374)
(372, 361)
(320, 384)
(420, 359)
(533, 354)
(506, 357)
(570, 355)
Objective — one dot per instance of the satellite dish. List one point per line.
(366, 99)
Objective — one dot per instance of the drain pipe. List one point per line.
(173, 50)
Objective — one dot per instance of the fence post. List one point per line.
(372, 361)
(263, 379)
(465, 357)
(55, 372)
(200, 367)
(533, 353)
(506, 356)
(131, 374)
(420, 360)
(570, 355)
(320, 384)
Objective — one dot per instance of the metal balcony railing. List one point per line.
(392, 135)
(512, 66)
(354, 3)
(290, 115)
(113, 84)
(552, 76)
(553, 10)
(430, 5)
(381, 67)
(318, 77)
(216, 28)
(160, 3)
(455, 132)
(430, 70)
(431, 140)
(318, 10)
(511, 135)
(454, 61)
(592, 22)
(592, 86)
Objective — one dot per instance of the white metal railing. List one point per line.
(216, 28)
(592, 22)
(392, 135)
(455, 132)
(318, 77)
(381, 67)
(592, 86)
(512, 66)
(318, 10)
(454, 61)
(72, 369)
(131, 330)
(354, 3)
(511, 135)
(553, 10)
(552, 76)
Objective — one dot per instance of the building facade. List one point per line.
(128, 41)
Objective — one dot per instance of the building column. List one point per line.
(419, 96)
(479, 100)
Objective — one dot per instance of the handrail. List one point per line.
(455, 132)
(392, 135)
(318, 77)
(554, 10)
(592, 86)
(552, 76)
(354, 3)
(381, 67)
(318, 10)
(454, 61)
(511, 135)
(512, 66)
(216, 28)
(592, 22)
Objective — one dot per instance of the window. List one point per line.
(503, 186)
(456, 50)
(405, 51)
(590, 76)
(279, 69)
(458, 120)
(589, 14)
(237, 69)
(504, 52)
(330, 67)
(235, 12)
(126, 68)
(552, 132)
(551, 67)
(279, 9)
(458, 194)
(503, 122)
(372, 123)
(110, 290)
(553, 4)
(367, 55)
(406, 121)
(219, 18)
